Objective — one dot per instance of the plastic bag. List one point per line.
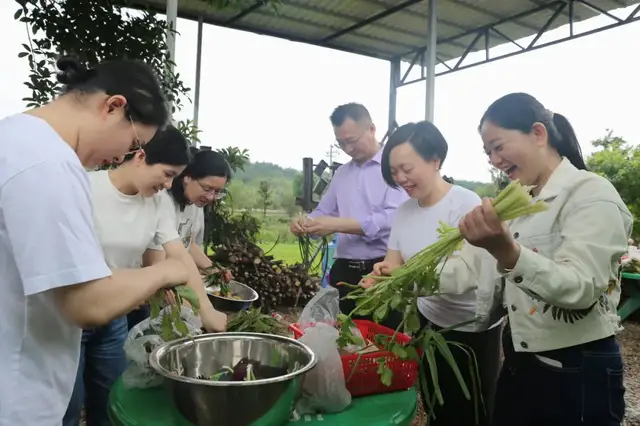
(142, 340)
(324, 308)
(323, 388)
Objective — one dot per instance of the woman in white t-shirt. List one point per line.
(129, 216)
(555, 273)
(412, 159)
(201, 183)
(53, 274)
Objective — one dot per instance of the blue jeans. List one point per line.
(585, 388)
(102, 361)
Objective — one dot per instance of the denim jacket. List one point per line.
(565, 288)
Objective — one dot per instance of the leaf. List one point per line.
(189, 294)
(22, 54)
(381, 313)
(18, 14)
(433, 368)
(396, 300)
(166, 328)
(399, 351)
(443, 348)
(387, 376)
(412, 323)
(182, 328)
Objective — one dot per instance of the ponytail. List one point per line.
(566, 141)
(520, 111)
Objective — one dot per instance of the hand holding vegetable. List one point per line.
(483, 228)
(214, 321)
(297, 226)
(380, 269)
(321, 226)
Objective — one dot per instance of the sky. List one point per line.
(274, 96)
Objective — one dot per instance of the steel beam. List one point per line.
(370, 20)
(487, 31)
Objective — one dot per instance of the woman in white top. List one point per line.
(129, 216)
(53, 275)
(556, 273)
(201, 183)
(412, 159)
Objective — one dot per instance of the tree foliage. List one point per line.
(619, 162)
(95, 31)
(266, 196)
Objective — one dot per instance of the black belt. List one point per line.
(364, 265)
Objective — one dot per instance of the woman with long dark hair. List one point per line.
(555, 273)
(54, 277)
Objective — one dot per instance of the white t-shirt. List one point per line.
(47, 241)
(127, 224)
(199, 232)
(185, 222)
(414, 228)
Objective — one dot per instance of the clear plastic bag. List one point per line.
(142, 340)
(324, 308)
(323, 389)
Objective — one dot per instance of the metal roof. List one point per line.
(391, 29)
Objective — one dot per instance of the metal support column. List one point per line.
(430, 60)
(394, 81)
(172, 21)
(196, 96)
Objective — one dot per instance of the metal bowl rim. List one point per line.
(154, 360)
(253, 298)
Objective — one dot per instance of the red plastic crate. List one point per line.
(366, 380)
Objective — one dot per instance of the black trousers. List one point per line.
(576, 386)
(457, 410)
(352, 271)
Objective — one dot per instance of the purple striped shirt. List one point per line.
(359, 192)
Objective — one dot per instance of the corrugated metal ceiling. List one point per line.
(389, 29)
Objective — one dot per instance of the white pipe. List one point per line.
(432, 40)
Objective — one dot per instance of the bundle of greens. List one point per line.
(254, 321)
(419, 277)
(173, 326)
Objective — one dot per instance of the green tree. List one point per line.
(619, 162)
(265, 195)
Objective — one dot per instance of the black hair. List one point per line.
(520, 111)
(354, 111)
(168, 146)
(136, 81)
(423, 136)
(202, 165)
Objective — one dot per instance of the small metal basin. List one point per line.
(265, 402)
(247, 297)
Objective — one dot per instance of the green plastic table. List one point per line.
(632, 304)
(152, 407)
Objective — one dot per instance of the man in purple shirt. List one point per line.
(358, 205)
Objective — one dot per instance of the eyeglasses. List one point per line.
(344, 144)
(217, 193)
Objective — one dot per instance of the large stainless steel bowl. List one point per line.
(247, 297)
(264, 402)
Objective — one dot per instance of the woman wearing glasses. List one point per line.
(129, 216)
(53, 274)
